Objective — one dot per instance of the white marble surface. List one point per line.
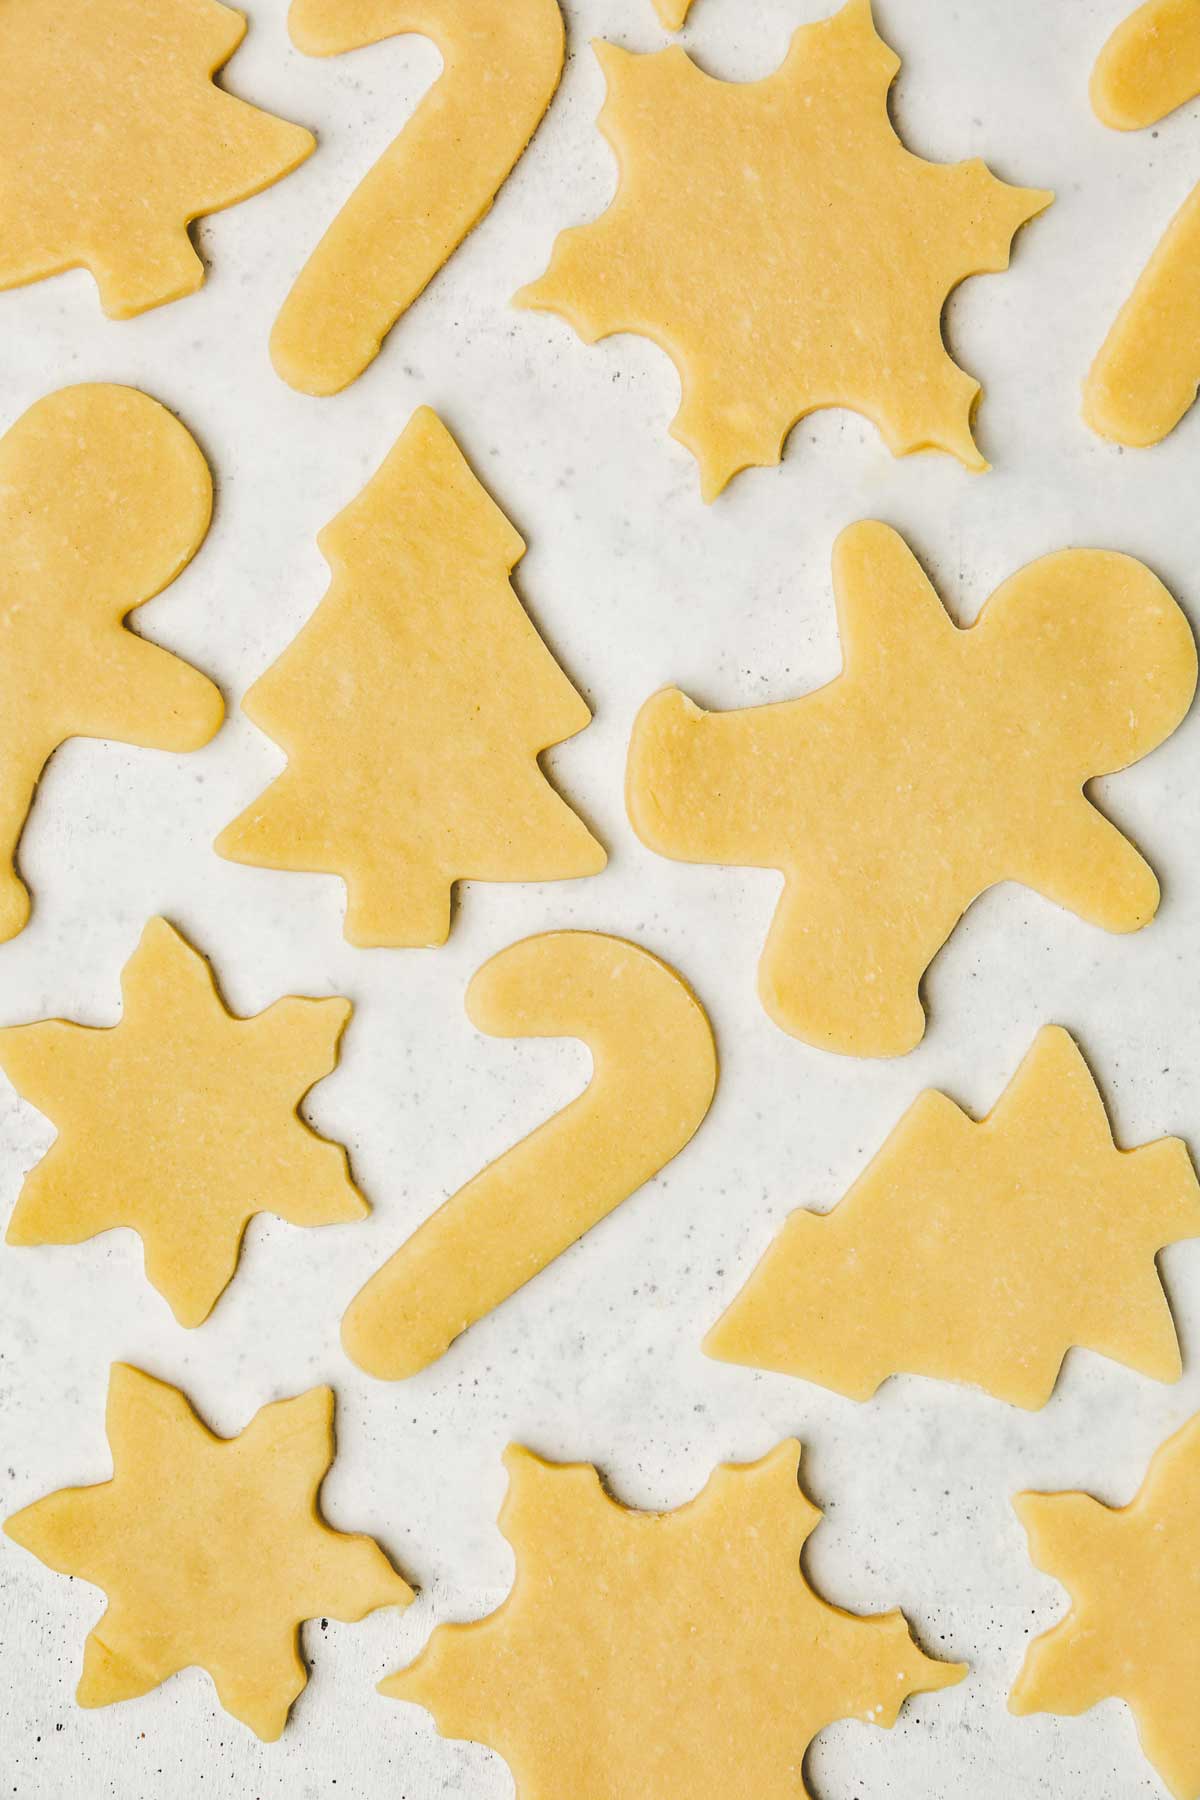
(633, 583)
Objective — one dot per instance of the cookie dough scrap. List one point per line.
(1149, 66)
(939, 762)
(104, 498)
(681, 1655)
(655, 1071)
(979, 1252)
(782, 246)
(413, 707)
(1133, 1573)
(212, 1551)
(181, 1121)
(672, 14)
(501, 65)
(113, 138)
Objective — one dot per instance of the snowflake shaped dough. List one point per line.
(1134, 1577)
(212, 1551)
(180, 1121)
(677, 1654)
(779, 242)
(113, 138)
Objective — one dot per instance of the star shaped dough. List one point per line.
(1133, 1573)
(181, 1122)
(779, 242)
(212, 1551)
(677, 1655)
(113, 138)
(979, 1252)
(104, 498)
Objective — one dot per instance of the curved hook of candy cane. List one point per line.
(410, 212)
(1149, 66)
(655, 1071)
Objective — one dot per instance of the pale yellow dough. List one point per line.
(672, 14)
(104, 498)
(1145, 376)
(667, 1656)
(502, 61)
(1149, 66)
(413, 707)
(212, 1551)
(113, 139)
(181, 1122)
(1133, 1573)
(655, 1069)
(778, 241)
(979, 1253)
(940, 762)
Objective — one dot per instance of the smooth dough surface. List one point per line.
(1146, 373)
(1149, 66)
(979, 1252)
(655, 1070)
(672, 14)
(211, 1551)
(501, 65)
(181, 1121)
(940, 762)
(677, 1655)
(413, 707)
(1133, 1573)
(113, 138)
(104, 498)
(779, 242)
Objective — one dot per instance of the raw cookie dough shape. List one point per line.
(979, 1252)
(672, 14)
(181, 1121)
(778, 241)
(502, 61)
(113, 138)
(413, 707)
(655, 1072)
(681, 1655)
(104, 498)
(212, 1551)
(939, 762)
(1149, 66)
(1133, 1573)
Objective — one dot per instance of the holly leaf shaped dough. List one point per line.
(940, 762)
(212, 1551)
(779, 242)
(1133, 1573)
(181, 1122)
(104, 498)
(677, 1654)
(113, 138)
(979, 1252)
(413, 707)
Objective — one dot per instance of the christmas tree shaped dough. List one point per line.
(939, 762)
(113, 138)
(1133, 1573)
(501, 64)
(979, 1253)
(413, 707)
(212, 1551)
(1149, 66)
(104, 498)
(677, 1655)
(180, 1121)
(655, 1069)
(779, 242)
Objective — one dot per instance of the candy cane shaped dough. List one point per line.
(655, 1069)
(1149, 66)
(408, 215)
